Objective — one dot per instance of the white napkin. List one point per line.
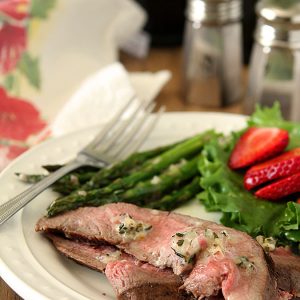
(102, 94)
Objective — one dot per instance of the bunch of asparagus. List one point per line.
(162, 178)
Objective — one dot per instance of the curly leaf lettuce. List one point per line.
(224, 190)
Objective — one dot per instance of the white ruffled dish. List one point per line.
(28, 262)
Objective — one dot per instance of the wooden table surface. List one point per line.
(170, 96)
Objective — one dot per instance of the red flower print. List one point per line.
(15, 9)
(12, 45)
(12, 33)
(18, 118)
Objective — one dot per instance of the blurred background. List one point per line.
(190, 55)
(166, 21)
(165, 25)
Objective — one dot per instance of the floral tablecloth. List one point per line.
(47, 48)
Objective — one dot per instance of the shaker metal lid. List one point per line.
(279, 23)
(284, 11)
(214, 11)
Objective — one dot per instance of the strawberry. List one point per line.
(256, 145)
(281, 166)
(281, 188)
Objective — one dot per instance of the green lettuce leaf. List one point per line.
(224, 190)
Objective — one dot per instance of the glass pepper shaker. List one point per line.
(274, 73)
(212, 52)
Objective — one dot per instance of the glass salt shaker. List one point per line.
(212, 52)
(274, 73)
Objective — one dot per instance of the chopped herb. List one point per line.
(210, 234)
(191, 259)
(132, 229)
(139, 227)
(178, 254)
(224, 233)
(180, 234)
(180, 242)
(245, 263)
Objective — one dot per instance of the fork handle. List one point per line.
(9, 208)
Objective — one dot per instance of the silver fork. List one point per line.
(117, 140)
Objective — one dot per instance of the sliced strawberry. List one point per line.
(256, 145)
(281, 166)
(281, 188)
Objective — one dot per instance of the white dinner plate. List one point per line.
(28, 261)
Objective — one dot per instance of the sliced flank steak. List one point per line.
(130, 278)
(287, 268)
(209, 256)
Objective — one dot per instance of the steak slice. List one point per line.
(130, 278)
(143, 281)
(95, 257)
(287, 268)
(210, 256)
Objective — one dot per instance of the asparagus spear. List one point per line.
(75, 178)
(71, 182)
(147, 170)
(123, 168)
(88, 176)
(156, 165)
(142, 193)
(84, 174)
(178, 197)
(65, 185)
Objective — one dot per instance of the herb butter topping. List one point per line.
(131, 229)
(268, 244)
(244, 263)
(186, 245)
(215, 244)
(109, 257)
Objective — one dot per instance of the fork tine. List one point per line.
(122, 126)
(131, 131)
(144, 134)
(108, 127)
(140, 135)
